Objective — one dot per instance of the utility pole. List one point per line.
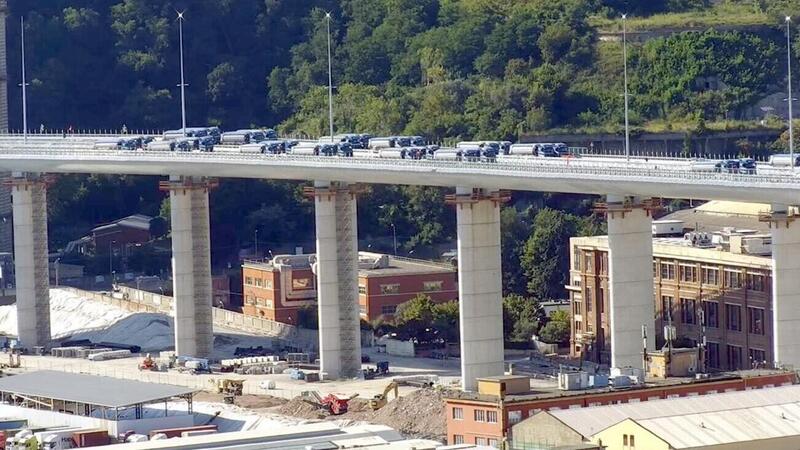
(789, 70)
(24, 85)
(183, 81)
(625, 70)
(330, 79)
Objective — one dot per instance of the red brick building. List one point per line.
(478, 418)
(277, 289)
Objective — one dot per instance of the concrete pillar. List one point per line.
(785, 286)
(29, 198)
(191, 266)
(630, 268)
(480, 290)
(336, 268)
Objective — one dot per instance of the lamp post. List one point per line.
(625, 71)
(111, 258)
(256, 244)
(57, 263)
(330, 78)
(24, 85)
(183, 81)
(789, 70)
(394, 237)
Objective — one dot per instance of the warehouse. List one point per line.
(104, 402)
(776, 427)
(548, 429)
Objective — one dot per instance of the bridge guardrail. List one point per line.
(542, 166)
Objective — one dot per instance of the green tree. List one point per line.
(546, 255)
(522, 318)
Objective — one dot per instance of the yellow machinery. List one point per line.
(228, 387)
(380, 400)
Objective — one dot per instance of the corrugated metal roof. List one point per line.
(725, 427)
(588, 421)
(89, 389)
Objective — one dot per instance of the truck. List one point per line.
(784, 159)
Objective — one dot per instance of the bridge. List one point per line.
(630, 187)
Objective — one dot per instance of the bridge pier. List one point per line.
(336, 269)
(191, 265)
(29, 204)
(630, 269)
(785, 229)
(480, 290)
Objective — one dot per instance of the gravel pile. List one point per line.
(419, 414)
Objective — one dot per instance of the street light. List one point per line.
(625, 70)
(111, 257)
(789, 70)
(183, 81)
(24, 85)
(394, 237)
(58, 260)
(330, 78)
(256, 244)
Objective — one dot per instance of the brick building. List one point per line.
(484, 419)
(722, 278)
(277, 289)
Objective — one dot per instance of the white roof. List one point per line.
(590, 420)
(725, 427)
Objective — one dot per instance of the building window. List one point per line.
(625, 441)
(712, 355)
(269, 303)
(632, 442)
(756, 282)
(302, 283)
(248, 281)
(688, 313)
(576, 306)
(732, 279)
(758, 358)
(589, 299)
(491, 416)
(710, 276)
(667, 271)
(248, 299)
(480, 415)
(734, 357)
(688, 273)
(755, 320)
(259, 301)
(259, 282)
(493, 443)
(666, 307)
(514, 417)
(458, 413)
(601, 300)
(576, 259)
(388, 309)
(432, 286)
(481, 441)
(588, 260)
(711, 314)
(458, 439)
(362, 289)
(604, 263)
(578, 326)
(733, 317)
(390, 289)
(268, 284)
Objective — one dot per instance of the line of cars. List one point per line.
(741, 165)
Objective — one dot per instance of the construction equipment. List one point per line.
(379, 401)
(381, 368)
(148, 363)
(331, 403)
(229, 387)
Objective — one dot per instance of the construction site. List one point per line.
(266, 385)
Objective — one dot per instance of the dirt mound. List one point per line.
(419, 414)
(298, 407)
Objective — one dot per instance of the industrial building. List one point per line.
(550, 429)
(721, 279)
(485, 418)
(70, 399)
(278, 288)
(775, 427)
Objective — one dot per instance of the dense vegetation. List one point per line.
(445, 69)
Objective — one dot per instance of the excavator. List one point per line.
(148, 363)
(380, 400)
(331, 403)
